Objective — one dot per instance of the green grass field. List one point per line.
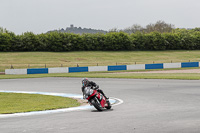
(16, 102)
(89, 58)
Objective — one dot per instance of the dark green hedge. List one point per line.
(114, 41)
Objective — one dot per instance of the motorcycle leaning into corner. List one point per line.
(96, 99)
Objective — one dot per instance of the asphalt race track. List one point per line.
(150, 106)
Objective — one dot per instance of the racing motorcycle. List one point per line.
(96, 99)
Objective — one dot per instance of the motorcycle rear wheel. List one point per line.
(109, 106)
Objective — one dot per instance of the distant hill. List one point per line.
(78, 30)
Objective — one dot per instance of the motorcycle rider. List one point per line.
(93, 85)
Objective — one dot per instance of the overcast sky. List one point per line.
(40, 16)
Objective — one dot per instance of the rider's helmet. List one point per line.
(85, 82)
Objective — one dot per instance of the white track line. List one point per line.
(86, 107)
(117, 99)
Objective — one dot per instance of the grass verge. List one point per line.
(16, 102)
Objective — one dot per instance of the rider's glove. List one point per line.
(97, 87)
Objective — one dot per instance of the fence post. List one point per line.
(11, 67)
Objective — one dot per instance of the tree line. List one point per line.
(159, 26)
(177, 39)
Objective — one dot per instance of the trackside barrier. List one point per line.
(116, 68)
(136, 67)
(16, 71)
(59, 70)
(78, 69)
(101, 68)
(154, 66)
(37, 71)
(190, 64)
(172, 65)
(97, 68)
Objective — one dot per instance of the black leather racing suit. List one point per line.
(94, 86)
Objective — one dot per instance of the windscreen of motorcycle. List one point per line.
(88, 91)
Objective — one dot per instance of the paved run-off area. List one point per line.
(149, 106)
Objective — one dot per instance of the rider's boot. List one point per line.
(107, 98)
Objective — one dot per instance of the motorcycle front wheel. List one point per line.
(96, 104)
